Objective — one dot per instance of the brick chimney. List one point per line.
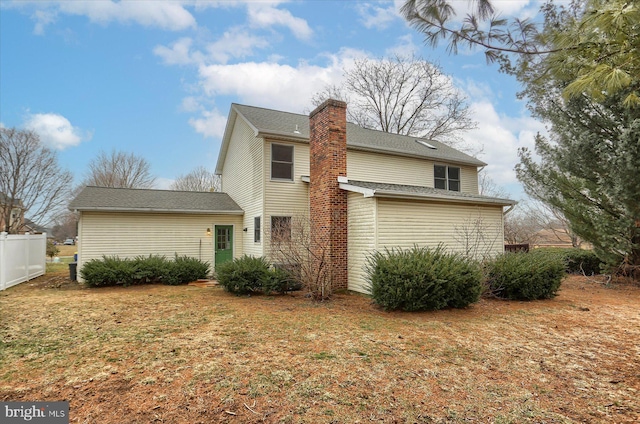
(327, 203)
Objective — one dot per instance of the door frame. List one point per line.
(213, 241)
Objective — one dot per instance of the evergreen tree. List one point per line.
(580, 69)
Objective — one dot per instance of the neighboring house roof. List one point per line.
(147, 200)
(295, 127)
(369, 189)
(36, 228)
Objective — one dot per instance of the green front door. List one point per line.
(223, 243)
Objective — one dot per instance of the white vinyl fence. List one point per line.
(22, 257)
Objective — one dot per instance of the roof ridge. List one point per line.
(272, 110)
(153, 189)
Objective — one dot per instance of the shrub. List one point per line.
(250, 274)
(576, 260)
(150, 269)
(184, 269)
(422, 279)
(111, 270)
(525, 276)
(277, 281)
(52, 249)
(243, 275)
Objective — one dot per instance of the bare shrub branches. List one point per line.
(304, 253)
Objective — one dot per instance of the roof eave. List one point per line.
(155, 210)
(360, 147)
(283, 136)
(445, 198)
(367, 192)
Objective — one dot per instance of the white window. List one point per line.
(446, 177)
(281, 162)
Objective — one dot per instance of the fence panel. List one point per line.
(22, 258)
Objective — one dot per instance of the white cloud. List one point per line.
(163, 183)
(373, 16)
(55, 130)
(235, 43)
(275, 85)
(179, 53)
(166, 15)
(266, 15)
(190, 104)
(501, 136)
(43, 18)
(405, 47)
(210, 124)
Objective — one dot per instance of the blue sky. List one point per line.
(157, 78)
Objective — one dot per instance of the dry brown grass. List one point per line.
(189, 355)
(66, 250)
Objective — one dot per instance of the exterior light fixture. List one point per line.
(208, 231)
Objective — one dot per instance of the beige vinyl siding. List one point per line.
(469, 179)
(385, 168)
(128, 235)
(405, 223)
(285, 198)
(361, 238)
(242, 180)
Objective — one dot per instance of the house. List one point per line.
(12, 209)
(365, 189)
(33, 228)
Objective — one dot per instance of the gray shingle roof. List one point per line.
(277, 123)
(147, 200)
(408, 191)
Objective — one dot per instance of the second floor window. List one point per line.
(446, 177)
(281, 162)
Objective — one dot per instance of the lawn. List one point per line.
(199, 355)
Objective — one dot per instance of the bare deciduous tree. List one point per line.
(536, 223)
(304, 253)
(403, 95)
(477, 238)
(30, 179)
(200, 179)
(520, 226)
(119, 170)
(488, 187)
(65, 226)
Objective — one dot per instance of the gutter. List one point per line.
(156, 210)
(510, 209)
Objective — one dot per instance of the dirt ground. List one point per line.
(160, 354)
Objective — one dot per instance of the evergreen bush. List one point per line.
(150, 269)
(525, 276)
(421, 278)
(108, 271)
(576, 260)
(111, 270)
(52, 249)
(243, 275)
(250, 274)
(184, 269)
